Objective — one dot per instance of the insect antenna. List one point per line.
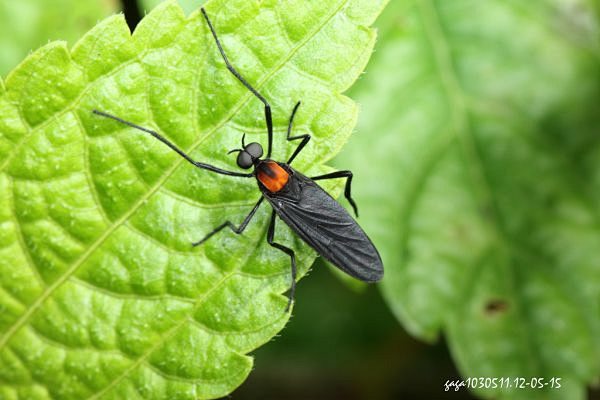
(268, 118)
(173, 146)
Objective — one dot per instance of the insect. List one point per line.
(296, 199)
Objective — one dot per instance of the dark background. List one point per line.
(341, 344)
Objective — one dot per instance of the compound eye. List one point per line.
(254, 149)
(244, 160)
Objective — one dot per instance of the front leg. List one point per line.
(305, 138)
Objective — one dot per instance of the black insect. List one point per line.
(310, 211)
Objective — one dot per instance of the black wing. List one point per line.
(327, 227)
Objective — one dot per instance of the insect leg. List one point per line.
(173, 147)
(244, 82)
(305, 138)
(347, 189)
(236, 230)
(288, 251)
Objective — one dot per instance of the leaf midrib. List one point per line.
(174, 329)
(20, 322)
(464, 134)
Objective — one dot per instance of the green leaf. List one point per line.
(28, 24)
(477, 172)
(102, 295)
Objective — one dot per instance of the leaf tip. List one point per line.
(57, 47)
(114, 22)
(160, 23)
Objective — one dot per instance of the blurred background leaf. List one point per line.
(478, 174)
(528, 79)
(26, 25)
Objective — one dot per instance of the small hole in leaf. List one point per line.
(495, 306)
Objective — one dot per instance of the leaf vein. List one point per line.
(129, 296)
(463, 131)
(165, 337)
(87, 172)
(20, 237)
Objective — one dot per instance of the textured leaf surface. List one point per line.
(478, 164)
(28, 24)
(102, 295)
